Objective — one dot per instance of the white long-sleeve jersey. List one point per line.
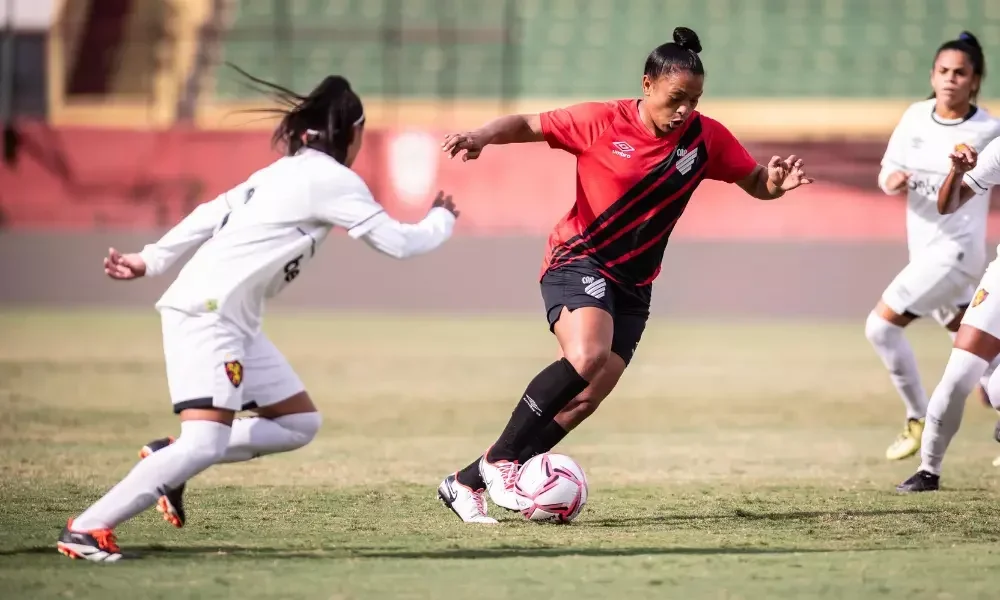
(256, 238)
(920, 146)
(986, 175)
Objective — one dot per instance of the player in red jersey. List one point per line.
(638, 163)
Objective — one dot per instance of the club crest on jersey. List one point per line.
(685, 160)
(234, 371)
(979, 298)
(622, 149)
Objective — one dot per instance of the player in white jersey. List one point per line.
(947, 253)
(978, 341)
(252, 242)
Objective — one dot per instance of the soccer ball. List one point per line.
(551, 487)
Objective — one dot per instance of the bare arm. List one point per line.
(778, 177)
(758, 185)
(953, 193)
(511, 129)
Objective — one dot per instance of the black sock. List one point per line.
(470, 476)
(547, 394)
(547, 438)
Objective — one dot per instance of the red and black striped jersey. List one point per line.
(631, 186)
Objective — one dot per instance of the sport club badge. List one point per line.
(979, 298)
(234, 371)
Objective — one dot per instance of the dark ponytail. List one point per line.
(678, 55)
(967, 43)
(324, 120)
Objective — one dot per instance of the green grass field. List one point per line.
(735, 461)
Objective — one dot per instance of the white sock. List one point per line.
(200, 445)
(988, 377)
(257, 436)
(944, 413)
(993, 388)
(897, 356)
(985, 379)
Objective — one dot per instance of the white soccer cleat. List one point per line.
(468, 504)
(500, 478)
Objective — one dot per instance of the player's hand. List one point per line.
(964, 158)
(470, 142)
(896, 181)
(445, 202)
(123, 266)
(787, 174)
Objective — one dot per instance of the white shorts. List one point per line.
(211, 364)
(929, 289)
(984, 310)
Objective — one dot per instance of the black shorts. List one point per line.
(579, 284)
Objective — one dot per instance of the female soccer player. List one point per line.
(978, 341)
(947, 252)
(638, 162)
(254, 240)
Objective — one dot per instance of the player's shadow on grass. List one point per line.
(749, 515)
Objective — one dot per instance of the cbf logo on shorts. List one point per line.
(234, 371)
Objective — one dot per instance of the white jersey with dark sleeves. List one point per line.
(257, 237)
(920, 146)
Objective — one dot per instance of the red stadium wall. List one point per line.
(85, 179)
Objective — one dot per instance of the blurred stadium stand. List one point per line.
(777, 68)
(140, 112)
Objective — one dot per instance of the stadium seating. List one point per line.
(559, 48)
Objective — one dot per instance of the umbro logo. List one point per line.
(686, 160)
(622, 149)
(595, 287)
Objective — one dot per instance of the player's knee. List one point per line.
(960, 377)
(879, 331)
(587, 358)
(304, 426)
(206, 446)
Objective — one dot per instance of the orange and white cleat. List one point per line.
(98, 545)
(171, 503)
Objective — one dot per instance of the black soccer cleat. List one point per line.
(921, 481)
(171, 503)
(98, 545)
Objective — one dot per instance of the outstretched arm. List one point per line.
(156, 258)
(573, 129)
(778, 177)
(403, 240)
(365, 219)
(511, 129)
(193, 231)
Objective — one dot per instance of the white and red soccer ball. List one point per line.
(551, 487)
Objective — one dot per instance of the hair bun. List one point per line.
(969, 39)
(687, 39)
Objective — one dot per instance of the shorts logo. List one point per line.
(980, 296)
(234, 371)
(595, 287)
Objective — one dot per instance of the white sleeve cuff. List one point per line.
(974, 184)
(151, 256)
